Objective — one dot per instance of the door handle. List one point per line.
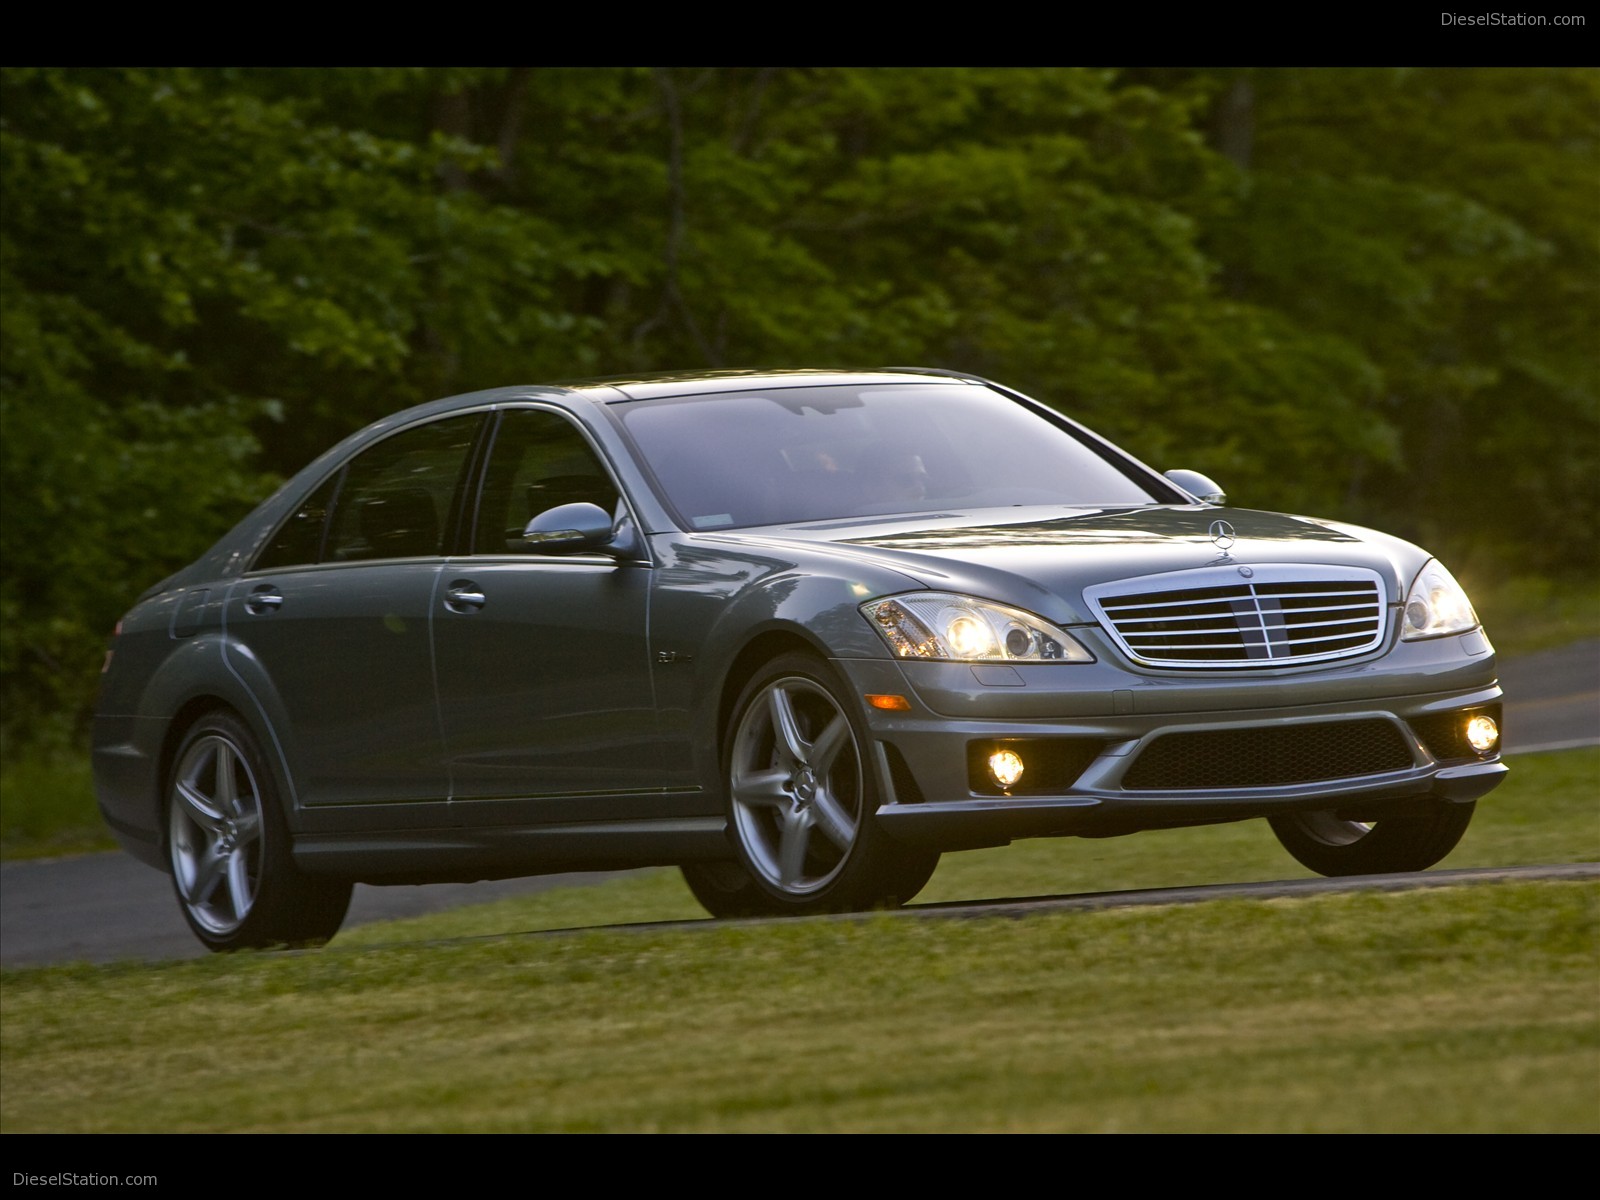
(464, 596)
(263, 600)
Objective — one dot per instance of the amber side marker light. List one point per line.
(1483, 735)
(888, 703)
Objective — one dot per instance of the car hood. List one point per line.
(1042, 559)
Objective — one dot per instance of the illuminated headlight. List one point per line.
(941, 625)
(1483, 735)
(1436, 605)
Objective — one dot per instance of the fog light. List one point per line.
(1006, 767)
(1483, 735)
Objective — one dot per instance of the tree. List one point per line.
(191, 259)
(1364, 294)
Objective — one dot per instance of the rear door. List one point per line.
(330, 629)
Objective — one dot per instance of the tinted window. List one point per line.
(808, 454)
(299, 541)
(398, 496)
(540, 460)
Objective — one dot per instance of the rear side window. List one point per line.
(392, 501)
(299, 541)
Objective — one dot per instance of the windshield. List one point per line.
(818, 453)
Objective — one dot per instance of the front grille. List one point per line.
(1270, 756)
(1221, 618)
(1445, 734)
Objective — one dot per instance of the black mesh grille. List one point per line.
(1050, 765)
(1269, 757)
(1445, 734)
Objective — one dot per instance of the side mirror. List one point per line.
(569, 527)
(1201, 487)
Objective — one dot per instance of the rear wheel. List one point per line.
(229, 849)
(1330, 843)
(801, 805)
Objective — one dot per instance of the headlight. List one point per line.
(1436, 605)
(940, 625)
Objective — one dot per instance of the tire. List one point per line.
(229, 850)
(801, 803)
(1413, 840)
(725, 890)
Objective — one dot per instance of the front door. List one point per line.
(543, 660)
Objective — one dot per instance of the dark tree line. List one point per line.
(1368, 294)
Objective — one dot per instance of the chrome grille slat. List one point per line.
(1336, 637)
(1232, 594)
(1215, 629)
(1211, 618)
(1241, 595)
(1364, 620)
(1365, 605)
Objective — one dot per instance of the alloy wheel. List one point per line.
(215, 834)
(796, 783)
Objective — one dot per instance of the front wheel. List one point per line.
(229, 850)
(1330, 843)
(802, 800)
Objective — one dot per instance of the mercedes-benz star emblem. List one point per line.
(1222, 534)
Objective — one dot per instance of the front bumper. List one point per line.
(1119, 712)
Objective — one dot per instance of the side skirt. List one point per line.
(458, 855)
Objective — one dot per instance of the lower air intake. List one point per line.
(1270, 756)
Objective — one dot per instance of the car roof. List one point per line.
(624, 388)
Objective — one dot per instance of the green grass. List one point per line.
(47, 808)
(1527, 613)
(1461, 1009)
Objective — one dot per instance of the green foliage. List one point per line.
(185, 261)
(1456, 1010)
(1443, 225)
(47, 808)
(1365, 294)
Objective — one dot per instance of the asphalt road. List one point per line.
(108, 907)
(1553, 698)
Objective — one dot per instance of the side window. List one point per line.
(299, 541)
(540, 460)
(398, 496)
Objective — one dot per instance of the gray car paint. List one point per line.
(379, 803)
